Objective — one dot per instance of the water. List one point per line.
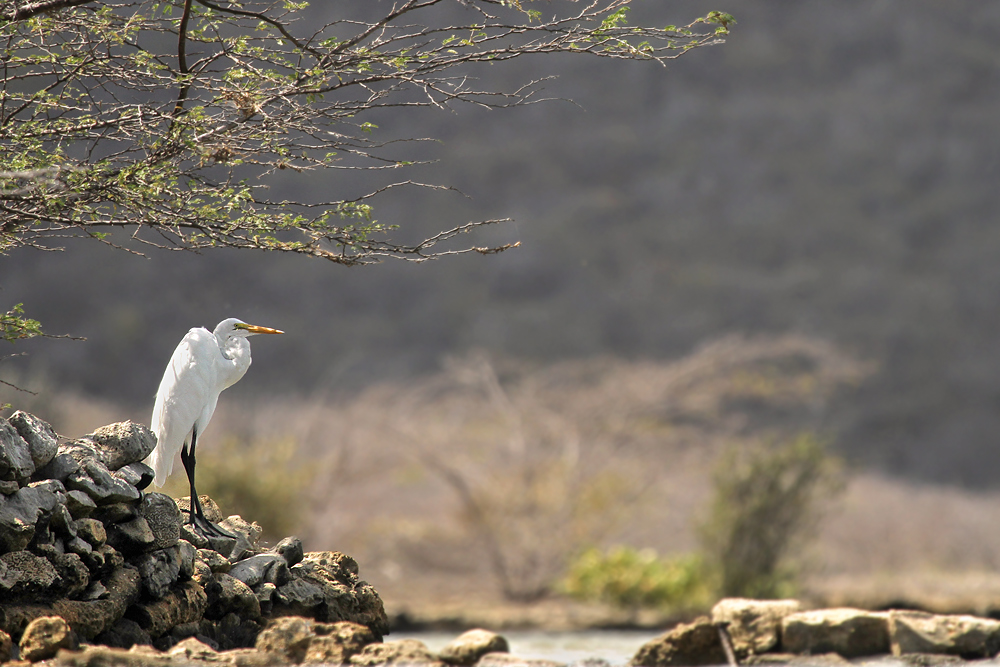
(615, 646)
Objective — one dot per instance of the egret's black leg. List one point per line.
(195, 512)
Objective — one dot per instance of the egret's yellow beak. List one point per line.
(253, 328)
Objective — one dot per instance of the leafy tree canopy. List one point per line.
(170, 119)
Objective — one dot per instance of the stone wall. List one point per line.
(80, 539)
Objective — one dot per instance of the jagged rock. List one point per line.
(96, 480)
(256, 569)
(401, 652)
(470, 646)
(138, 475)
(87, 618)
(23, 575)
(290, 549)
(81, 547)
(131, 537)
(21, 511)
(215, 561)
(15, 455)
(208, 506)
(508, 660)
(164, 519)
(123, 443)
(335, 643)
(754, 625)
(189, 534)
(116, 513)
(266, 594)
(202, 573)
(92, 531)
(79, 504)
(966, 636)
(695, 643)
(8, 487)
(325, 586)
(228, 595)
(186, 554)
(59, 468)
(186, 603)
(95, 591)
(44, 637)
(74, 577)
(287, 637)
(247, 537)
(235, 631)
(61, 522)
(159, 570)
(124, 634)
(852, 633)
(41, 439)
(6, 646)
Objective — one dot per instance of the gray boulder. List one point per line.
(124, 634)
(92, 531)
(15, 455)
(185, 603)
(851, 633)
(23, 575)
(20, 512)
(228, 595)
(470, 646)
(186, 554)
(164, 519)
(325, 586)
(257, 569)
(695, 643)
(94, 479)
(131, 537)
(87, 618)
(159, 570)
(59, 468)
(73, 575)
(215, 561)
(123, 443)
(138, 475)
(79, 504)
(41, 439)
(290, 549)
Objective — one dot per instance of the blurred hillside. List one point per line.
(830, 171)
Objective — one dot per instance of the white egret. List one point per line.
(204, 363)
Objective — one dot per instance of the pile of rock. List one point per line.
(80, 540)
(776, 631)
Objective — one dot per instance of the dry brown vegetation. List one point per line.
(477, 484)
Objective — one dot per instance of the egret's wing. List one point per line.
(188, 393)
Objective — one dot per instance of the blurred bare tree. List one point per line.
(547, 461)
(171, 119)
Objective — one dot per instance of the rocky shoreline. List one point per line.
(96, 571)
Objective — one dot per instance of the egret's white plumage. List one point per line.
(203, 364)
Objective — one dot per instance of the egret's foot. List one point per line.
(207, 528)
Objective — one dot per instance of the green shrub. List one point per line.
(632, 578)
(767, 500)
